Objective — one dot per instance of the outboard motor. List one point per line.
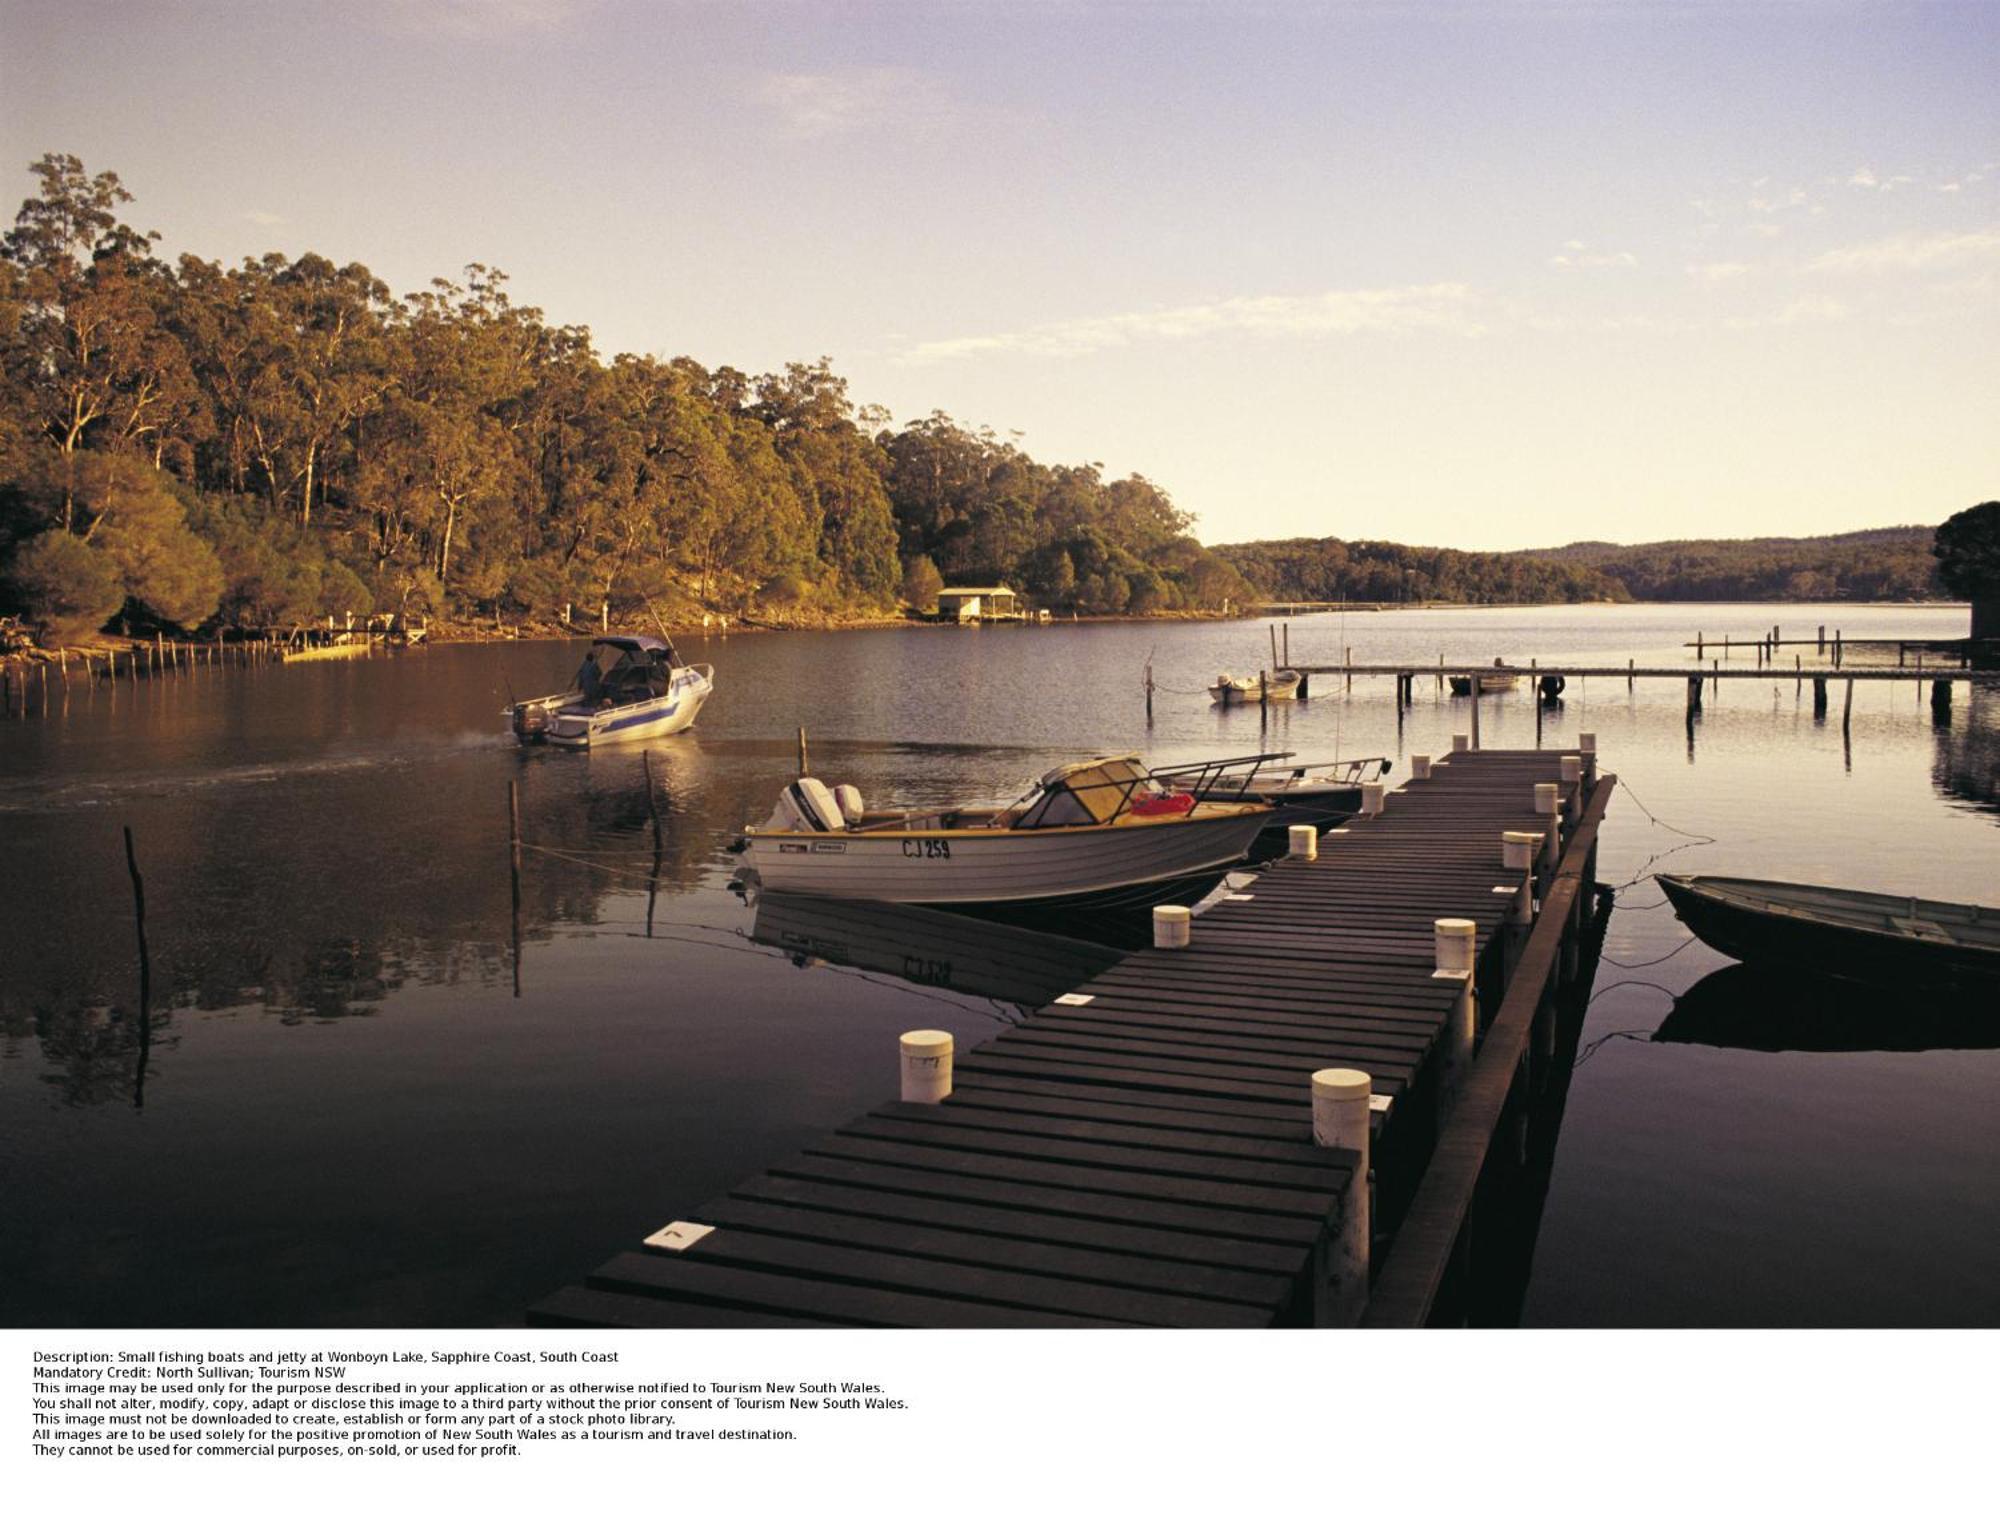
(531, 723)
(806, 806)
(849, 798)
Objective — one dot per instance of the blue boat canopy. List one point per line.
(633, 642)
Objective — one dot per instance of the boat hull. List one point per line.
(1753, 921)
(1126, 863)
(1284, 685)
(637, 722)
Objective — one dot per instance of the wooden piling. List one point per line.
(1847, 708)
(514, 855)
(802, 752)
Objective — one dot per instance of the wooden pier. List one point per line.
(1142, 1150)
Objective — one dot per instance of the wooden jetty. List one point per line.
(1142, 1151)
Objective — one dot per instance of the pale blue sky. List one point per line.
(1487, 274)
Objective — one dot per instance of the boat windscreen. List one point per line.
(1087, 795)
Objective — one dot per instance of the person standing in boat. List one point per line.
(589, 681)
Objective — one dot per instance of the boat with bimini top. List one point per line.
(630, 687)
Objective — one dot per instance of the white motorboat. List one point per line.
(1323, 793)
(1279, 685)
(1100, 830)
(631, 687)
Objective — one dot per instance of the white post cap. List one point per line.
(1173, 927)
(1587, 742)
(1420, 767)
(1340, 1107)
(1546, 796)
(1572, 769)
(1452, 941)
(1460, 742)
(1304, 840)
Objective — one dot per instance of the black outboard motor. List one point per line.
(531, 722)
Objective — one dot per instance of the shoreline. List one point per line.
(32, 655)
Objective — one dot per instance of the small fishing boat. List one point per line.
(1099, 831)
(1499, 680)
(1899, 943)
(1324, 793)
(1279, 685)
(631, 687)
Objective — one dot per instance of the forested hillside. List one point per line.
(268, 444)
(1884, 564)
(274, 442)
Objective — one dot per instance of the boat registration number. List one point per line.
(927, 849)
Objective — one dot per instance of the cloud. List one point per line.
(1863, 178)
(1807, 308)
(264, 218)
(1449, 308)
(477, 19)
(1907, 253)
(826, 105)
(1576, 255)
(1716, 274)
(1764, 204)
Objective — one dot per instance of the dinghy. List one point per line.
(632, 687)
(1098, 831)
(1899, 943)
(1280, 685)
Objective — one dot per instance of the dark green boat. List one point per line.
(1900, 943)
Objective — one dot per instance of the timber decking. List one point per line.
(1145, 1158)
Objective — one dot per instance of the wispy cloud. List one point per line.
(1718, 273)
(1578, 255)
(476, 19)
(1448, 308)
(1807, 308)
(1944, 250)
(1865, 178)
(826, 105)
(264, 218)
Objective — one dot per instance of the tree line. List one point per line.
(1883, 564)
(192, 444)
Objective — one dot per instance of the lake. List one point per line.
(342, 1113)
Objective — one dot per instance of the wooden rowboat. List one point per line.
(1900, 943)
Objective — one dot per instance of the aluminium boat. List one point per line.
(1098, 831)
(1897, 943)
(1279, 685)
(631, 687)
(1324, 793)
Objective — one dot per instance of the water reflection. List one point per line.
(1025, 963)
(1965, 761)
(1742, 1008)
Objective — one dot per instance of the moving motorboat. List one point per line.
(1898, 943)
(1278, 685)
(630, 687)
(1100, 830)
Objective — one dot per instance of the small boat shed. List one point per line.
(978, 603)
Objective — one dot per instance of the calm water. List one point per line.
(345, 1116)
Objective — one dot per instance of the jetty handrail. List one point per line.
(1407, 1287)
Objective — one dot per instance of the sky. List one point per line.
(1482, 273)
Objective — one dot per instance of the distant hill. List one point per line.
(1878, 564)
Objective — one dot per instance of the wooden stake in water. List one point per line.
(145, 968)
(514, 854)
(659, 845)
(802, 752)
